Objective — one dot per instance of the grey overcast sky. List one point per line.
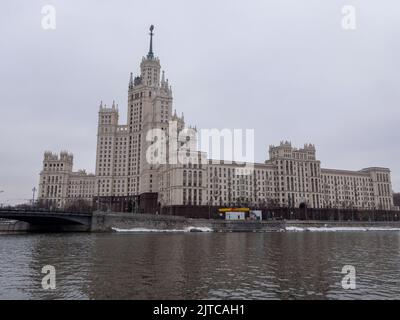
(286, 68)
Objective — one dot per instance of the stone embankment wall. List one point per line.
(105, 222)
(102, 222)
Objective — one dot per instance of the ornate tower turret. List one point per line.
(150, 66)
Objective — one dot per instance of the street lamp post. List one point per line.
(1, 204)
(98, 196)
(216, 193)
(229, 193)
(33, 196)
(162, 203)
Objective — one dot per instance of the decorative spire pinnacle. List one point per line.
(163, 77)
(113, 105)
(131, 81)
(101, 104)
(150, 55)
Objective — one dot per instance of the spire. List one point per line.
(113, 105)
(163, 77)
(101, 104)
(150, 55)
(131, 81)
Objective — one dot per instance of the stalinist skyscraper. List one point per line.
(122, 169)
(127, 179)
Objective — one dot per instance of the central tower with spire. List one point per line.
(123, 170)
(149, 107)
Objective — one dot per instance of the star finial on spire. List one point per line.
(150, 55)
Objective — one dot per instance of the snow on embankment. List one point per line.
(336, 229)
(145, 230)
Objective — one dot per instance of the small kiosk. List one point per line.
(234, 213)
(240, 214)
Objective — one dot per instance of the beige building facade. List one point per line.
(60, 186)
(126, 172)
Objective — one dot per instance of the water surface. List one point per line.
(289, 265)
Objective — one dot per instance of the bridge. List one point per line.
(45, 220)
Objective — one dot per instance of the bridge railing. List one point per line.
(41, 210)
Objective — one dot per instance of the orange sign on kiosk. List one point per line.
(234, 210)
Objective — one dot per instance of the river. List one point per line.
(286, 265)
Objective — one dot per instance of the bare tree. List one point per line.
(79, 205)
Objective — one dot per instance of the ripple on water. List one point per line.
(210, 266)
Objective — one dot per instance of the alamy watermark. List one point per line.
(182, 145)
(349, 280)
(48, 20)
(349, 21)
(49, 280)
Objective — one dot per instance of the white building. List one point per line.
(59, 186)
(127, 175)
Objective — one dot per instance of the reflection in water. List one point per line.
(201, 265)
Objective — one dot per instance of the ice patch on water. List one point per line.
(294, 229)
(335, 229)
(188, 229)
(199, 229)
